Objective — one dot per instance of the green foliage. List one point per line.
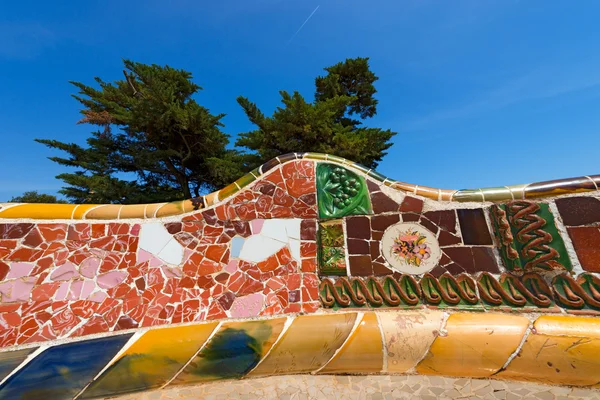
(35, 197)
(325, 125)
(341, 192)
(153, 129)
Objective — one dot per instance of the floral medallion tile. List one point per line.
(410, 248)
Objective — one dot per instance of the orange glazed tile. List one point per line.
(133, 211)
(407, 336)
(476, 345)
(39, 211)
(174, 208)
(362, 352)
(307, 345)
(151, 209)
(561, 350)
(107, 211)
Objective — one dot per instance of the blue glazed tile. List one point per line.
(11, 359)
(62, 371)
(236, 246)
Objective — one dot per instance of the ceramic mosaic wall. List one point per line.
(281, 272)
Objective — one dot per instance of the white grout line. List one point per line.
(442, 333)
(518, 349)
(594, 182)
(134, 338)
(25, 362)
(562, 231)
(286, 326)
(384, 367)
(357, 322)
(212, 334)
(512, 195)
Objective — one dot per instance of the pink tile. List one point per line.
(89, 267)
(75, 290)
(19, 270)
(232, 266)
(257, 225)
(172, 272)
(87, 289)
(155, 261)
(18, 290)
(111, 279)
(65, 272)
(98, 297)
(62, 292)
(247, 306)
(143, 256)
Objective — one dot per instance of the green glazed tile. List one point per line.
(341, 192)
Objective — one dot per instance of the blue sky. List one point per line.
(482, 93)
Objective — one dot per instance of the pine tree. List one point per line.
(332, 123)
(34, 196)
(151, 129)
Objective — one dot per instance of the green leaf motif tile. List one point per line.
(341, 192)
(332, 253)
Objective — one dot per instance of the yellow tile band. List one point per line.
(559, 350)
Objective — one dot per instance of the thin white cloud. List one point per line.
(543, 83)
(23, 40)
(302, 26)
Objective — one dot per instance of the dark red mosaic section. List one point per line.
(475, 254)
(581, 215)
(288, 192)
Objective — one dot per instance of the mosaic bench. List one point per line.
(310, 264)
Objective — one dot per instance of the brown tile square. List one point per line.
(473, 226)
(375, 251)
(411, 204)
(410, 217)
(429, 225)
(382, 203)
(358, 227)
(445, 219)
(308, 229)
(484, 260)
(381, 269)
(358, 246)
(448, 239)
(586, 241)
(471, 260)
(382, 222)
(576, 211)
(361, 266)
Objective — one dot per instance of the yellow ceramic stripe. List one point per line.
(407, 336)
(307, 345)
(39, 211)
(475, 345)
(132, 211)
(169, 209)
(362, 352)
(560, 350)
(151, 361)
(107, 211)
(235, 349)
